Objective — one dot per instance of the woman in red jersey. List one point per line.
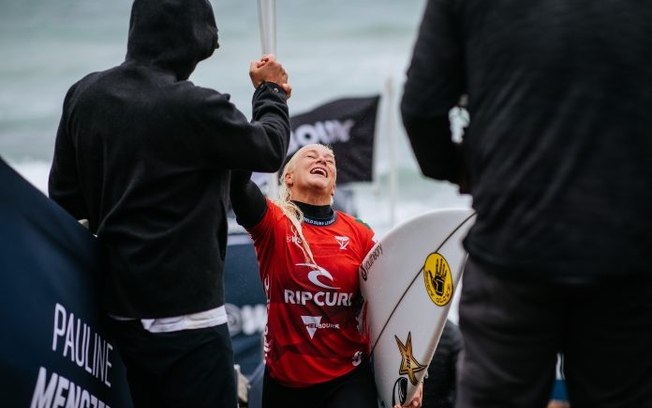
(309, 254)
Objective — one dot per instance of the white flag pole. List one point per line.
(267, 22)
(267, 19)
(393, 179)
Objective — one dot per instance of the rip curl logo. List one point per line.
(313, 323)
(438, 279)
(316, 272)
(343, 241)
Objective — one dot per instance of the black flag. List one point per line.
(348, 126)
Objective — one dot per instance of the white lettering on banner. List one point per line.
(254, 319)
(61, 392)
(85, 348)
(326, 132)
(298, 297)
(248, 319)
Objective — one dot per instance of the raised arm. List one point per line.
(226, 138)
(248, 202)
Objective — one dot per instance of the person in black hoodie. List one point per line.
(558, 159)
(145, 156)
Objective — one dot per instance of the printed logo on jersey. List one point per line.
(438, 279)
(357, 358)
(293, 239)
(315, 273)
(321, 278)
(409, 364)
(266, 286)
(343, 241)
(313, 323)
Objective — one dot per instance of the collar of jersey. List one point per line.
(320, 222)
(314, 214)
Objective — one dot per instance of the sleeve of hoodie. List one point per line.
(63, 183)
(434, 85)
(233, 142)
(248, 202)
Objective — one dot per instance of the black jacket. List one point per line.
(145, 155)
(559, 147)
(440, 386)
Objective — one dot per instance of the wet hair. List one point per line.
(290, 209)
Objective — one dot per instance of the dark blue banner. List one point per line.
(246, 305)
(54, 349)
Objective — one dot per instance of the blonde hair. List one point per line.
(290, 209)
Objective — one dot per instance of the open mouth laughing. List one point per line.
(320, 171)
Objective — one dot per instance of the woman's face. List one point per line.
(313, 174)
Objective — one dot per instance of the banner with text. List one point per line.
(54, 349)
(348, 126)
(246, 305)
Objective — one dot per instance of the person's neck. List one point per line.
(312, 196)
(318, 212)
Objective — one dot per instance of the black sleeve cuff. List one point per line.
(270, 87)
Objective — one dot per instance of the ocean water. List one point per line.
(331, 49)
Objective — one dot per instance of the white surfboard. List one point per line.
(408, 281)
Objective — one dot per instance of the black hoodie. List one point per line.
(144, 155)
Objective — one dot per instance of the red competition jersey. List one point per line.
(312, 331)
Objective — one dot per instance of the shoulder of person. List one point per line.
(275, 210)
(82, 85)
(200, 93)
(355, 221)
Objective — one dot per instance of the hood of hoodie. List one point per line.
(172, 34)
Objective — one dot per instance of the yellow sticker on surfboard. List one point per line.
(438, 279)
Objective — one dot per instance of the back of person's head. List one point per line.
(172, 34)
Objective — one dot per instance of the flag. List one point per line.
(348, 126)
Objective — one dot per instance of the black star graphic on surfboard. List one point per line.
(409, 364)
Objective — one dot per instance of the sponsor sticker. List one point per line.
(438, 279)
(409, 364)
(366, 265)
